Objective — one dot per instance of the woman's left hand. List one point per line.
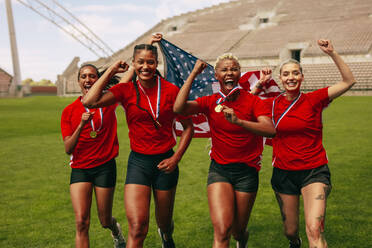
(326, 46)
(168, 165)
(155, 38)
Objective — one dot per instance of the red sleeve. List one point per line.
(261, 108)
(118, 91)
(66, 123)
(319, 98)
(204, 103)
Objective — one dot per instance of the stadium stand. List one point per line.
(264, 33)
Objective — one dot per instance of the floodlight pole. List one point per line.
(15, 86)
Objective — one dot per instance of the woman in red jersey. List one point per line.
(237, 120)
(90, 138)
(299, 159)
(152, 164)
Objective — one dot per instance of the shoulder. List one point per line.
(317, 93)
(69, 108)
(247, 96)
(122, 90)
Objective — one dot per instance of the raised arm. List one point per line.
(263, 126)
(94, 97)
(265, 76)
(181, 105)
(348, 79)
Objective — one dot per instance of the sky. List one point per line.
(45, 50)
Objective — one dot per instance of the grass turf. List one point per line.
(35, 207)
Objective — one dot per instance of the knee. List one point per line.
(82, 224)
(138, 229)
(222, 232)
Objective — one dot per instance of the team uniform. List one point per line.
(299, 157)
(149, 143)
(93, 159)
(236, 152)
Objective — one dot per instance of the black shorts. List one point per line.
(291, 182)
(241, 176)
(142, 169)
(102, 176)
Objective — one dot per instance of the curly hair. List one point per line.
(228, 56)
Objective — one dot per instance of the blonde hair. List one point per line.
(228, 56)
(290, 61)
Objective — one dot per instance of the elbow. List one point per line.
(68, 152)
(178, 110)
(86, 103)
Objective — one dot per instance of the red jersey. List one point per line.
(144, 137)
(298, 141)
(91, 152)
(232, 143)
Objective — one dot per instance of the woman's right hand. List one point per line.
(119, 66)
(86, 117)
(199, 66)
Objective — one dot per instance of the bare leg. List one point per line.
(81, 198)
(243, 207)
(221, 199)
(289, 209)
(164, 203)
(137, 205)
(105, 197)
(315, 201)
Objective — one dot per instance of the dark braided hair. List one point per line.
(154, 51)
(114, 80)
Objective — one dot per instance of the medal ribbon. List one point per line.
(155, 115)
(223, 96)
(286, 111)
(91, 121)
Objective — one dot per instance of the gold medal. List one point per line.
(93, 134)
(218, 108)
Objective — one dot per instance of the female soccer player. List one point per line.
(237, 120)
(152, 164)
(90, 138)
(299, 159)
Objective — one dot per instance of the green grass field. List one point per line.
(35, 207)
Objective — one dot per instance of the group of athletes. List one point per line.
(238, 120)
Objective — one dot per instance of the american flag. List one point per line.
(179, 65)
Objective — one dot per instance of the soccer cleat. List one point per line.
(166, 238)
(119, 240)
(243, 243)
(291, 245)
